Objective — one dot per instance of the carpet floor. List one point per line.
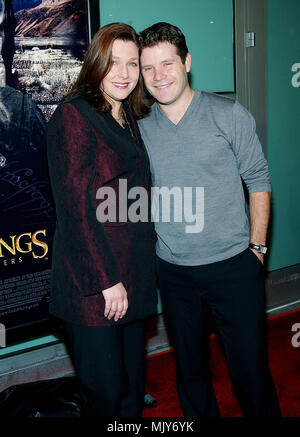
(284, 361)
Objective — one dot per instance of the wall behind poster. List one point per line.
(48, 45)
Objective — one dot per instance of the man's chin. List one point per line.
(164, 102)
(161, 100)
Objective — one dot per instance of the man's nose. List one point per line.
(158, 74)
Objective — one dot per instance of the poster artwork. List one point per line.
(42, 44)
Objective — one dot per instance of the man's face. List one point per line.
(165, 76)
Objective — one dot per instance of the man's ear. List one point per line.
(188, 62)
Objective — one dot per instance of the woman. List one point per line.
(103, 282)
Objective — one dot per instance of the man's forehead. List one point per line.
(160, 50)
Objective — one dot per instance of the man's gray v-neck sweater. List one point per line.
(206, 156)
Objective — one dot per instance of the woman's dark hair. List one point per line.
(164, 32)
(97, 63)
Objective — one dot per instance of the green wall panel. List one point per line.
(283, 87)
(207, 25)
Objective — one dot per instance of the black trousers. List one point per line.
(234, 291)
(110, 364)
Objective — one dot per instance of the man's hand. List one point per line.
(116, 303)
(260, 256)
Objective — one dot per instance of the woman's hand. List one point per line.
(116, 303)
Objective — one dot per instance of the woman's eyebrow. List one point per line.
(133, 58)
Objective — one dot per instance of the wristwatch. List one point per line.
(259, 248)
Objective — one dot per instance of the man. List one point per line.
(205, 141)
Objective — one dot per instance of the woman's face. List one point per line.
(123, 76)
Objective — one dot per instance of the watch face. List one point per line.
(258, 248)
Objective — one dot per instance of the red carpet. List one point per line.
(284, 361)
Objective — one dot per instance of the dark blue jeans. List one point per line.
(234, 291)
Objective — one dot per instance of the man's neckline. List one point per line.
(196, 93)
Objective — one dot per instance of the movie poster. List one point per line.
(42, 46)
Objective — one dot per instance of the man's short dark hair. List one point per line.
(164, 32)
